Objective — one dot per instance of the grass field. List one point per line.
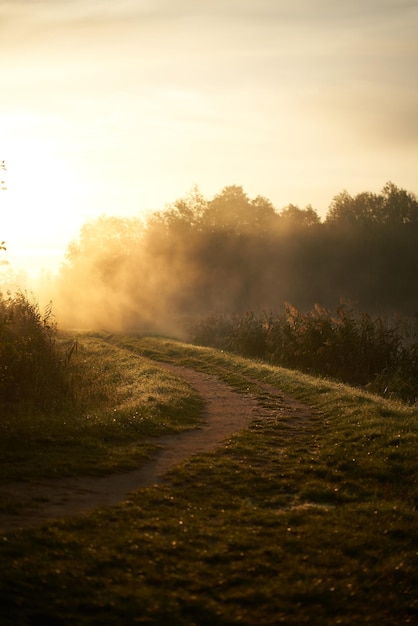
(280, 526)
(123, 404)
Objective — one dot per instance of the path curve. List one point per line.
(226, 413)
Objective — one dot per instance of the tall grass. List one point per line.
(33, 370)
(120, 405)
(379, 353)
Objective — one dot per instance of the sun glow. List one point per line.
(120, 109)
(41, 208)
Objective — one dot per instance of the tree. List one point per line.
(352, 212)
(184, 213)
(293, 216)
(233, 211)
(398, 206)
(104, 241)
(229, 210)
(392, 207)
(264, 214)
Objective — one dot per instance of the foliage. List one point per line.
(232, 254)
(294, 217)
(392, 207)
(379, 353)
(32, 369)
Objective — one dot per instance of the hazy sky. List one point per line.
(121, 107)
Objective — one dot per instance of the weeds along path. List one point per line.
(226, 413)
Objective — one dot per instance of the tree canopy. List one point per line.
(233, 253)
(392, 207)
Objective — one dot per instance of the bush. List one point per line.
(32, 369)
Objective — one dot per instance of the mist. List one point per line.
(231, 254)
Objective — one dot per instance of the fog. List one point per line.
(231, 254)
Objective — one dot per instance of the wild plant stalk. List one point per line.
(378, 353)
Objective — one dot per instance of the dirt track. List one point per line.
(227, 412)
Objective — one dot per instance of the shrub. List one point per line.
(32, 369)
(355, 348)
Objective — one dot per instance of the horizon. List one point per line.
(122, 109)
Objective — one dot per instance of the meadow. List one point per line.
(294, 524)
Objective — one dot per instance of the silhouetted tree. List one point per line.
(232, 254)
(399, 206)
(347, 212)
(294, 217)
(392, 207)
(233, 211)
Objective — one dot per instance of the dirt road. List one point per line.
(226, 413)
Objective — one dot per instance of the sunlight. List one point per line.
(41, 209)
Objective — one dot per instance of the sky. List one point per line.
(120, 108)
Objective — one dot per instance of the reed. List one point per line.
(379, 353)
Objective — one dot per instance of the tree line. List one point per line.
(231, 254)
(235, 273)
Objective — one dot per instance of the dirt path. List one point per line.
(226, 413)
